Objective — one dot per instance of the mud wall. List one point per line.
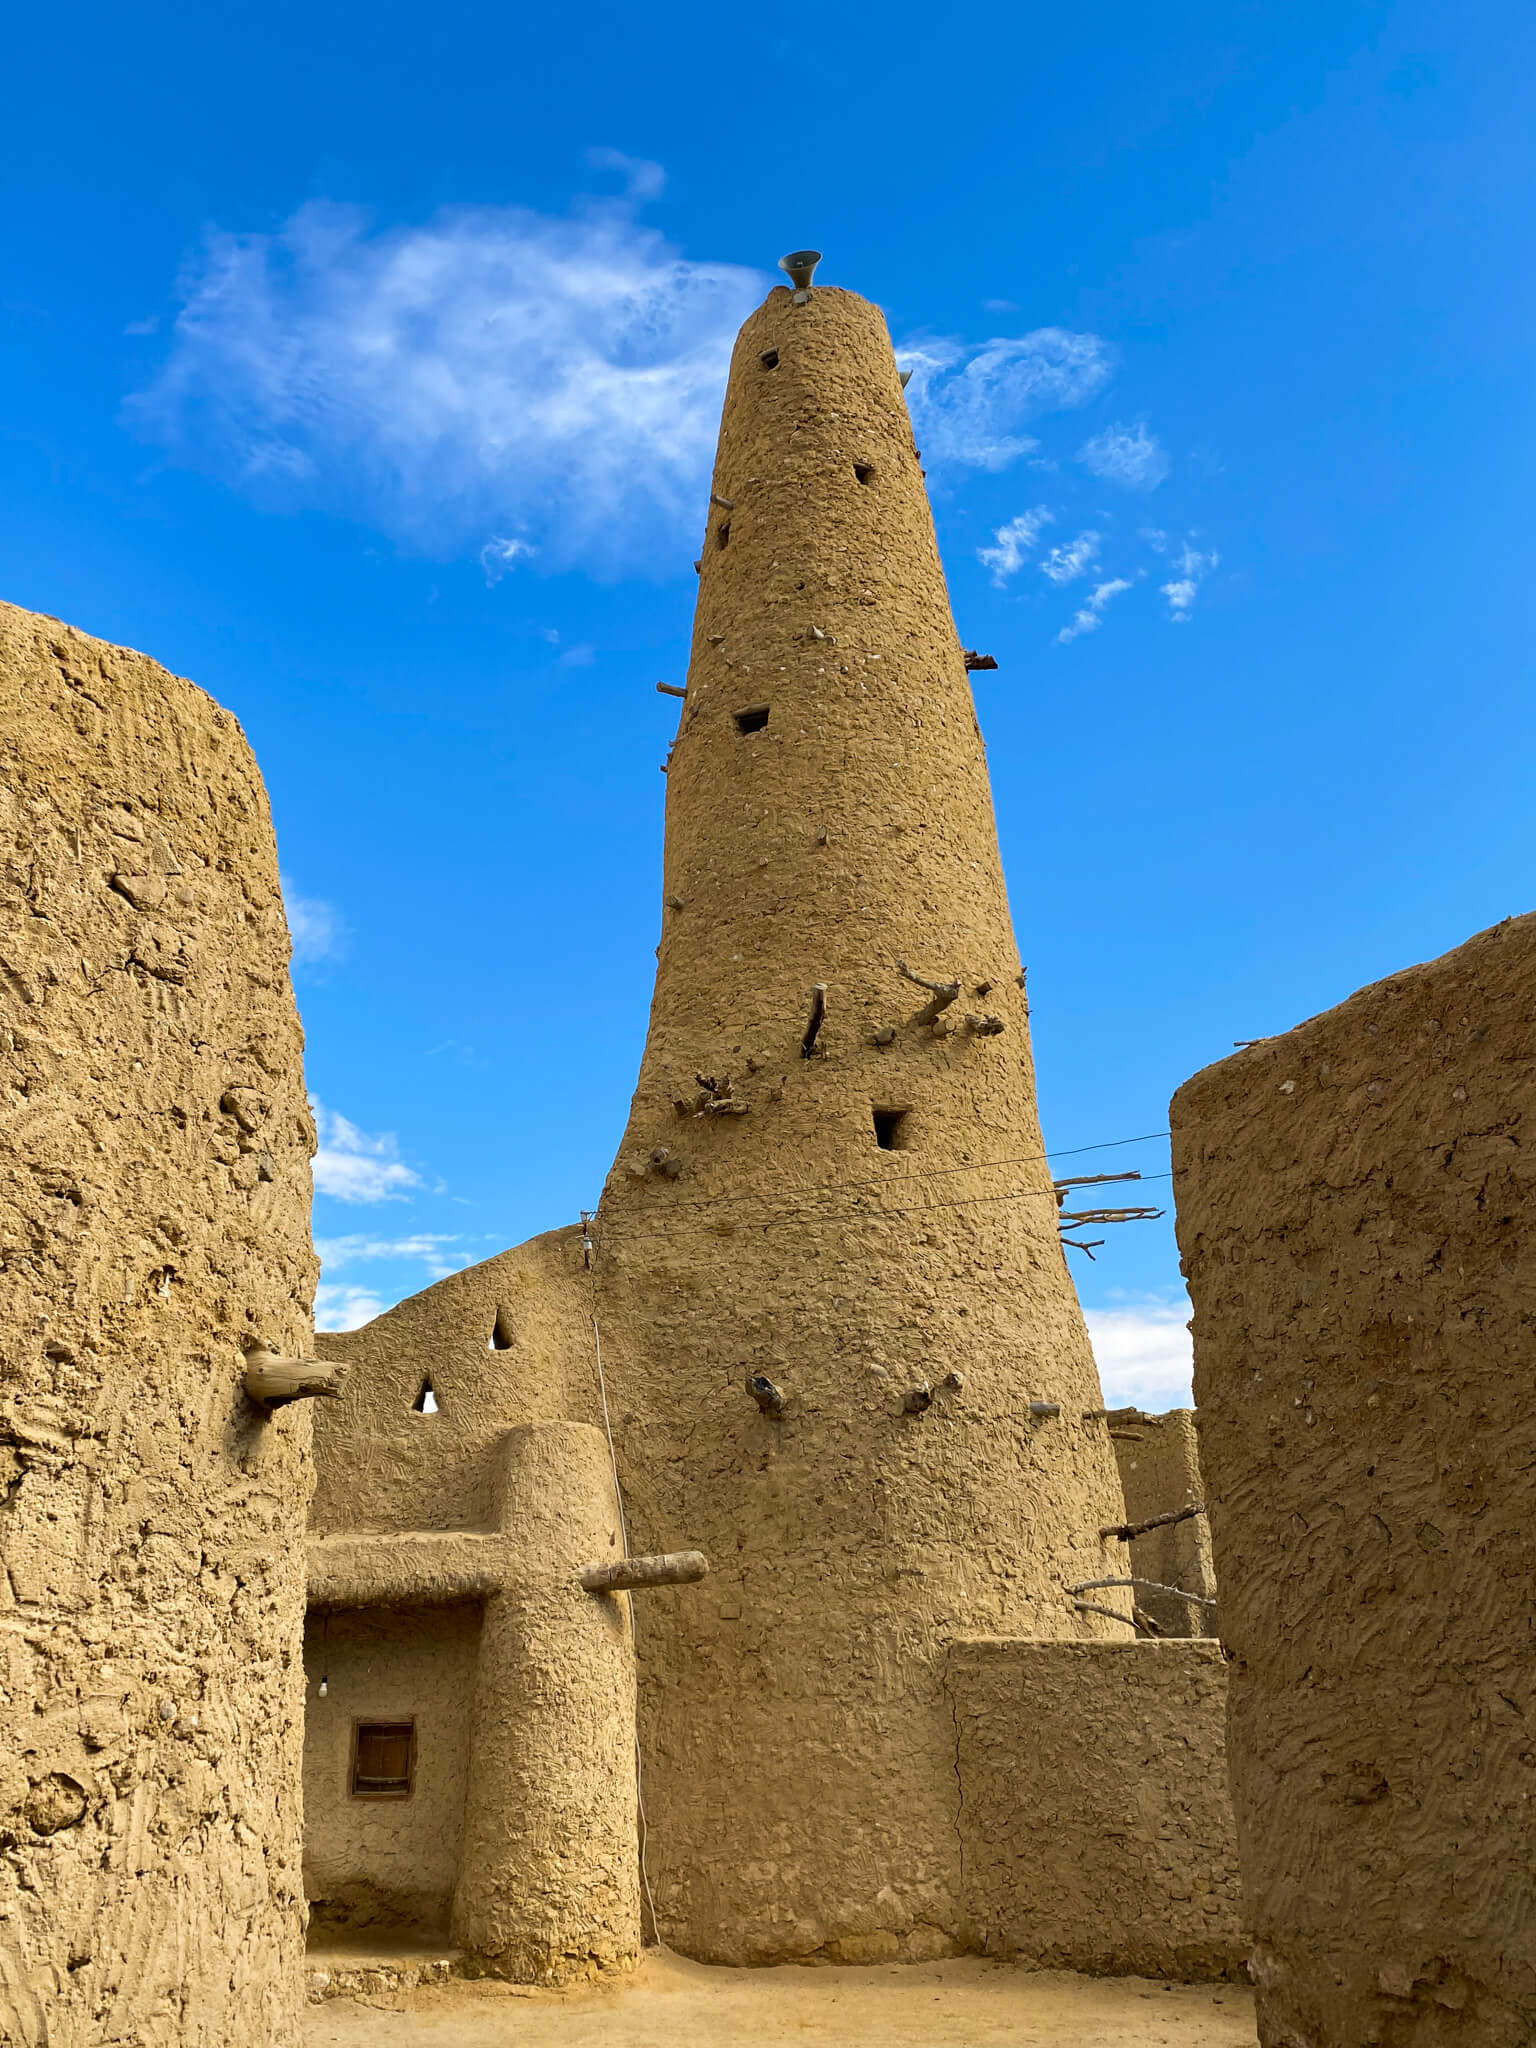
(387, 1863)
(1159, 1461)
(1095, 1821)
(154, 1212)
(505, 1343)
(760, 1221)
(1355, 1212)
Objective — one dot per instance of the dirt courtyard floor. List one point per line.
(671, 2003)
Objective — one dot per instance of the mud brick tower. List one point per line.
(832, 1186)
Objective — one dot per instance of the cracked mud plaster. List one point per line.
(154, 1211)
(1355, 1205)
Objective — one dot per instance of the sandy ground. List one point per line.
(670, 2003)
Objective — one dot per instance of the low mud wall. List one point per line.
(1094, 1819)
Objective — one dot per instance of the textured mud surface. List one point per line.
(1355, 1201)
(154, 1212)
(1113, 1754)
(674, 2004)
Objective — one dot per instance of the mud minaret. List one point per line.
(832, 1184)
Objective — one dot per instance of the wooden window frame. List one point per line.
(362, 1721)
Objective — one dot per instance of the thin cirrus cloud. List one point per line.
(340, 1307)
(1013, 542)
(1144, 1354)
(1066, 563)
(316, 928)
(1126, 455)
(1090, 616)
(1190, 567)
(431, 1248)
(491, 372)
(500, 555)
(352, 1166)
(968, 404)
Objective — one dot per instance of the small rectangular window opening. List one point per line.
(769, 359)
(888, 1129)
(723, 534)
(425, 1402)
(753, 720)
(865, 472)
(500, 1338)
(383, 1759)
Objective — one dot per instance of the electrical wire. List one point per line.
(936, 1173)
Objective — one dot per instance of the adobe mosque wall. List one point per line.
(154, 1179)
(832, 1186)
(1354, 1213)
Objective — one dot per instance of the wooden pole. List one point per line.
(635, 1574)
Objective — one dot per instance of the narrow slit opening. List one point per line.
(753, 720)
(500, 1338)
(425, 1402)
(769, 359)
(865, 472)
(889, 1129)
(723, 534)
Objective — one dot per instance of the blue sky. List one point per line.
(364, 365)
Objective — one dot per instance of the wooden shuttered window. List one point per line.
(383, 1759)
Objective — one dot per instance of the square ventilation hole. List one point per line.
(383, 1759)
(865, 472)
(753, 720)
(889, 1127)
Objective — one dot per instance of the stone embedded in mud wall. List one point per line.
(1094, 1814)
(1356, 1204)
(154, 1221)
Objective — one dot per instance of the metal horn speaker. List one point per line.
(800, 267)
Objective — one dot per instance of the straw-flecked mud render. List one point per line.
(155, 1190)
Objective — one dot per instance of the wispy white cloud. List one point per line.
(581, 656)
(642, 178)
(345, 1308)
(1190, 569)
(1066, 563)
(492, 370)
(1011, 543)
(500, 555)
(1144, 1354)
(149, 326)
(968, 403)
(431, 1248)
(353, 1166)
(1126, 455)
(316, 927)
(1091, 616)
